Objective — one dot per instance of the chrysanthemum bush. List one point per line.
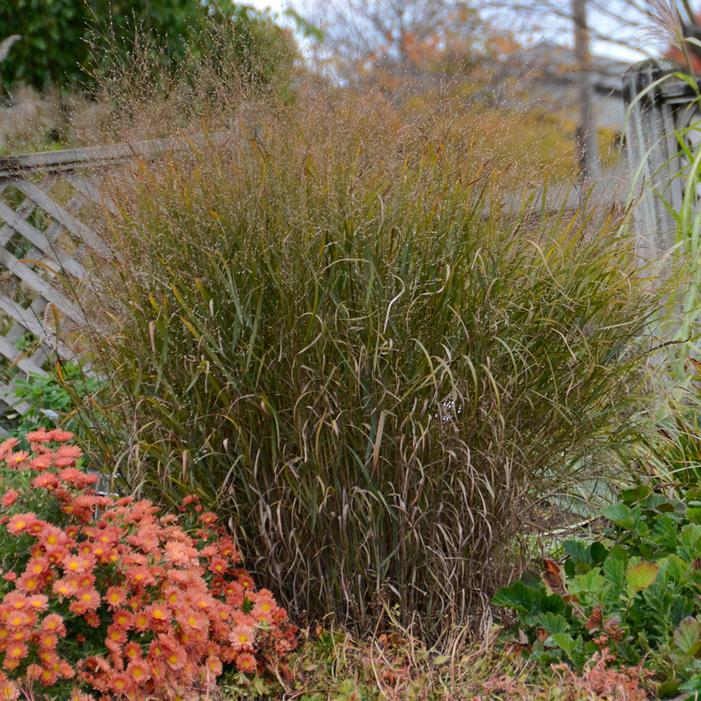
(104, 597)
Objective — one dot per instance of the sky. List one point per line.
(275, 5)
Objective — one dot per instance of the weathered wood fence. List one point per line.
(663, 126)
(48, 203)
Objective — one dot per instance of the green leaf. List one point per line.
(599, 552)
(519, 597)
(622, 515)
(665, 532)
(577, 551)
(614, 569)
(631, 496)
(565, 642)
(640, 576)
(687, 638)
(553, 623)
(592, 583)
(673, 569)
(616, 512)
(689, 542)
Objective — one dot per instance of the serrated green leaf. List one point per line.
(665, 532)
(687, 637)
(519, 597)
(689, 542)
(599, 552)
(565, 642)
(622, 515)
(592, 583)
(553, 623)
(614, 569)
(577, 551)
(673, 568)
(616, 512)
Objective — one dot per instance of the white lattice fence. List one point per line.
(48, 202)
(43, 247)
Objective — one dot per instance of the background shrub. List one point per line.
(340, 336)
(62, 43)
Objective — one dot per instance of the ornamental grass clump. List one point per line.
(343, 335)
(105, 595)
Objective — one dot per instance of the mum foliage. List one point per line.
(104, 595)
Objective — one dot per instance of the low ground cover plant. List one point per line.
(631, 594)
(104, 595)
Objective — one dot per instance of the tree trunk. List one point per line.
(587, 142)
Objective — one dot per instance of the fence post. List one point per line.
(654, 154)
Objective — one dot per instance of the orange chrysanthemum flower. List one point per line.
(20, 523)
(246, 662)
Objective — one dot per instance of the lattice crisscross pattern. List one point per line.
(44, 249)
(48, 203)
